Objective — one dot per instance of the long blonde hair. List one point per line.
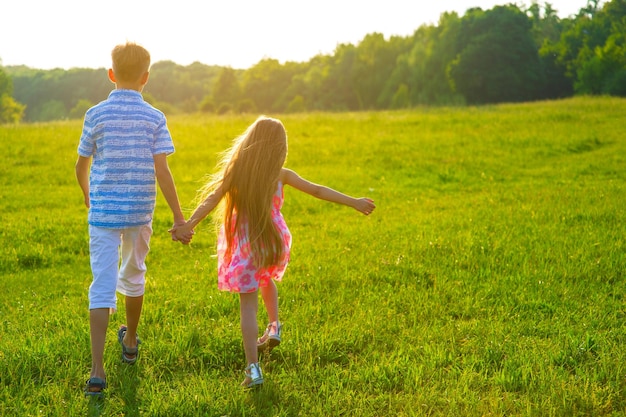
(248, 174)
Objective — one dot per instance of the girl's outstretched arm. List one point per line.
(289, 177)
(203, 210)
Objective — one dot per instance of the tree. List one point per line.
(52, 110)
(10, 110)
(226, 88)
(339, 90)
(546, 24)
(207, 105)
(34, 88)
(79, 110)
(376, 60)
(246, 106)
(6, 85)
(181, 86)
(296, 105)
(499, 61)
(592, 48)
(434, 47)
(312, 84)
(267, 84)
(401, 98)
(547, 29)
(603, 71)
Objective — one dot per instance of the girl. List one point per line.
(254, 242)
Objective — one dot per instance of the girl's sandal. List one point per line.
(94, 387)
(271, 337)
(129, 355)
(254, 376)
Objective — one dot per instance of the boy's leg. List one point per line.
(104, 256)
(270, 299)
(248, 305)
(133, 314)
(131, 283)
(98, 323)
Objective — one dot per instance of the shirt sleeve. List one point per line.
(86, 145)
(163, 140)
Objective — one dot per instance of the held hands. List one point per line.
(364, 205)
(182, 232)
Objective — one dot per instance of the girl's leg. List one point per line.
(248, 305)
(271, 337)
(270, 299)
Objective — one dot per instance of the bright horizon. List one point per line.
(68, 34)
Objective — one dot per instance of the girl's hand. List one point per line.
(364, 205)
(181, 233)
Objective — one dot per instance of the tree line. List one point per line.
(505, 54)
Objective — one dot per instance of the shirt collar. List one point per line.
(120, 92)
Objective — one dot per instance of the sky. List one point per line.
(47, 34)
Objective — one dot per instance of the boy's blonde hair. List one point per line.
(130, 62)
(249, 177)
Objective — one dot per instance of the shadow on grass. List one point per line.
(129, 383)
(126, 391)
(95, 407)
(265, 400)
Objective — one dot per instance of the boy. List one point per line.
(129, 142)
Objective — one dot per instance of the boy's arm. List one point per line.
(364, 205)
(168, 188)
(82, 175)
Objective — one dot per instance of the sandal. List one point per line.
(129, 355)
(94, 387)
(271, 337)
(254, 376)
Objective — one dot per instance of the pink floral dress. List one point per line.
(239, 274)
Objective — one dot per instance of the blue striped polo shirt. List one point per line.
(122, 133)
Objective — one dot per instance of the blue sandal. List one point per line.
(95, 387)
(126, 351)
(271, 337)
(254, 376)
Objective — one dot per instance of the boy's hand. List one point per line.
(181, 234)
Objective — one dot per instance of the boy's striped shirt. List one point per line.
(122, 134)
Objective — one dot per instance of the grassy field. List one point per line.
(489, 281)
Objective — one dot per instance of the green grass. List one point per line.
(489, 281)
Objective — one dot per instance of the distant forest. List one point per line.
(505, 54)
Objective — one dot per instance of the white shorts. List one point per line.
(117, 263)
